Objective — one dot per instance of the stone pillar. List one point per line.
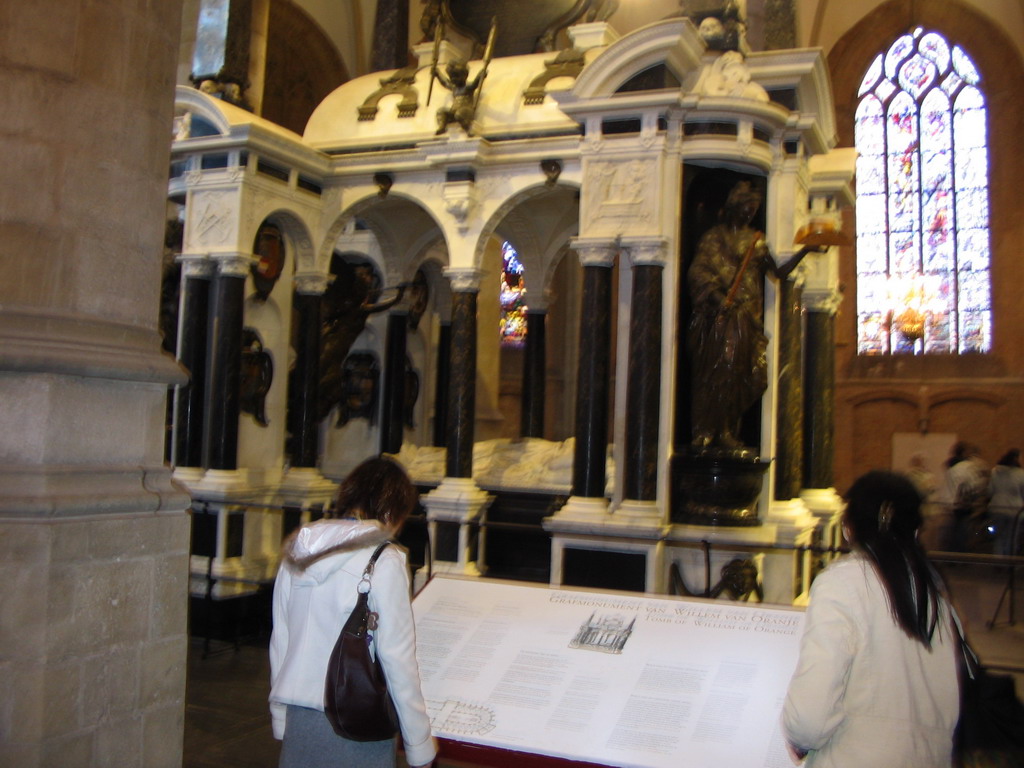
(393, 424)
(819, 494)
(454, 507)
(189, 398)
(779, 25)
(643, 394)
(308, 301)
(534, 374)
(819, 396)
(224, 364)
(303, 482)
(462, 376)
(444, 351)
(588, 502)
(790, 415)
(593, 379)
(390, 36)
(94, 536)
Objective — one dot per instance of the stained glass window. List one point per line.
(512, 297)
(923, 255)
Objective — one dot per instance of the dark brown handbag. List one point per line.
(356, 698)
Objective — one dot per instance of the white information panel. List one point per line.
(611, 678)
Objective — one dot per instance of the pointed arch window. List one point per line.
(923, 254)
(512, 297)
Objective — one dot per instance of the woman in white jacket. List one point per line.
(314, 594)
(876, 682)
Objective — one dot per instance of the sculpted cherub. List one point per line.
(465, 91)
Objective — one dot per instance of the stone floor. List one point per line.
(227, 724)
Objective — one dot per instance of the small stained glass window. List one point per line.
(923, 280)
(512, 297)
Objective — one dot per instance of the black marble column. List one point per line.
(779, 25)
(444, 350)
(390, 36)
(393, 423)
(306, 380)
(531, 422)
(819, 398)
(223, 366)
(189, 398)
(462, 385)
(644, 384)
(789, 451)
(593, 382)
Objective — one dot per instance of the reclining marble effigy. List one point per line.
(529, 464)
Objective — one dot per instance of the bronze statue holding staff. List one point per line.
(726, 334)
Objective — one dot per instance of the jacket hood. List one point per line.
(314, 550)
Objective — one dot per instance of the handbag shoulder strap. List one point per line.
(368, 571)
(359, 621)
(971, 663)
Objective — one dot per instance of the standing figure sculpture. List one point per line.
(348, 303)
(726, 336)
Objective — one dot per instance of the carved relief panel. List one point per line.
(620, 197)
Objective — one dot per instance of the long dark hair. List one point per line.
(378, 489)
(883, 511)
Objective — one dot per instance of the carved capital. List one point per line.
(464, 279)
(822, 300)
(595, 252)
(233, 264)
(196, 265)
(646, 251)
(312, 284)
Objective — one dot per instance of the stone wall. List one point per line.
(975, 397)
(93, 535)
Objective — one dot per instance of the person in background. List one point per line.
(314, 594)
(876, 681)
(1006, 498)
(963, 491)
(936, 522)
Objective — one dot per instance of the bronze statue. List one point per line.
(348, 303)
(360, 375)
(257, 374)
(455, 77)
(740, 581)
(726, 337)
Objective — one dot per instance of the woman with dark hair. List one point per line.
(314, 594)
(876, 682)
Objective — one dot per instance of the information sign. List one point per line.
(619, 679)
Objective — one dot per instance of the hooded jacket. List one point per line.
(314, 594)
(864, 693)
